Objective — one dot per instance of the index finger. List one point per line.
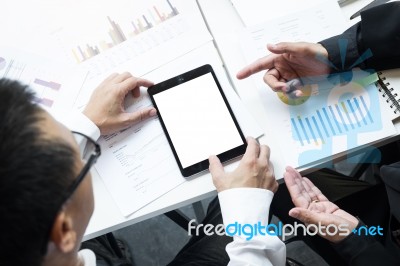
(144, 82)
(132, 83)
(261, 64)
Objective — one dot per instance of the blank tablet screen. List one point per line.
(197, 120)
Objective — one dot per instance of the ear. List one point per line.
(63, 234)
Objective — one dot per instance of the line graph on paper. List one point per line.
(140, 168)
(144, 167)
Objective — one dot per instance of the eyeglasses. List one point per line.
(90, 152)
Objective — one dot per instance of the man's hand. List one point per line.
(255, 170)
(312, 207)
(106, 105)
(289, 61)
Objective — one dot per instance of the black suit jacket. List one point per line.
(391, 176)
(366, 250)
(379, 30)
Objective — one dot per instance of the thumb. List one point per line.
(306, 216)
(141, 115)
(286, 47)
(216, 168)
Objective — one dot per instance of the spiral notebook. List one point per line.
(389, 86)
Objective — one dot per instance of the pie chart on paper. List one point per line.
(3, 63)
(307, 90)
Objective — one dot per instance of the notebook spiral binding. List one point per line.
(392, 98)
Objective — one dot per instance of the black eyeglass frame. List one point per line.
(90, 162)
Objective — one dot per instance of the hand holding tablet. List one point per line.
(197, 119)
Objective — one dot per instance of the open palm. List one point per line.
(312, 207)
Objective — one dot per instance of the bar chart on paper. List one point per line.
(333, 120)
(44, 86)
(52, 85)
(139, 38)
(117, 33)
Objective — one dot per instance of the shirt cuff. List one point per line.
(80, 123)
(245, 205)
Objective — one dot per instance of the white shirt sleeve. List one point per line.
(250, 206)
(87, 257)
(76, 121)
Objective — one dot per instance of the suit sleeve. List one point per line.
(379, 31)
(360, 250)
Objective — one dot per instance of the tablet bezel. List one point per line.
(180, 79)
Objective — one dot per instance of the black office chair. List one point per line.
(392, 183)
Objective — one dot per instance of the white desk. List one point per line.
(223, 22)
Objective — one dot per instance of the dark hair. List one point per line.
(35, 172)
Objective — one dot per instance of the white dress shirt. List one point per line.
(250, 206)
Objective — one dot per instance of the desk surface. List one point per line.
(107, 217)
(224, 23)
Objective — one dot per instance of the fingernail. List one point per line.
(273, 46)
(294, 213)
(153, 112)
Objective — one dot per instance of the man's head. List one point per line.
(39, 160)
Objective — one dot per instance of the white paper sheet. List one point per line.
(253, 12)
(311, 25)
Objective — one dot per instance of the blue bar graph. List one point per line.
(366, 109)
(341, 117)
(311, 130)
(322, 123)
(332, 120)
(347, 114)
(329, 121)
(304, 129)
(353, 111)
(359, 110)
(297, 131)
(318, 130)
